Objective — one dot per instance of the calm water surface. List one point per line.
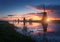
(35, 30)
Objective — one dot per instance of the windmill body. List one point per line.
(44, 21)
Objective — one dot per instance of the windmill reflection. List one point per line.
(24, 26)
(44, 24)
(45, 39)
(18, 21)
(30, 21)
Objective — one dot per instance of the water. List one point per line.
(35, 30)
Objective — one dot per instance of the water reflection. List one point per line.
(36, 31)
(34, 26)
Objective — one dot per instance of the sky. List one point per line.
(19, 7)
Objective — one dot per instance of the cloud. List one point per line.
(55, 9)
(51, 7)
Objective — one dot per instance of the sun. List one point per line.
(48, 20)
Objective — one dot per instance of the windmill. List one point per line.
(44, 17)
(44, 20)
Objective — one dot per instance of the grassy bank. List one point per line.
(8, 34)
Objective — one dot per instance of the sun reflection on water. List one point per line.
(37, 27)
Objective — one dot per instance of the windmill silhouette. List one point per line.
(44, 24)
(44, 19)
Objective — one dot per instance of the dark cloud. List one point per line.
(56, 9)
(49, 7)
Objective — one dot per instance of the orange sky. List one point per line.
(33, 17)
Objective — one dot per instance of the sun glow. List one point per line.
(30, 16)
(48, 19)
(36, 18)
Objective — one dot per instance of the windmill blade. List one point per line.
(40, 13)
(44, 8)
(32, 7)
(41, 8)
(35, 8)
